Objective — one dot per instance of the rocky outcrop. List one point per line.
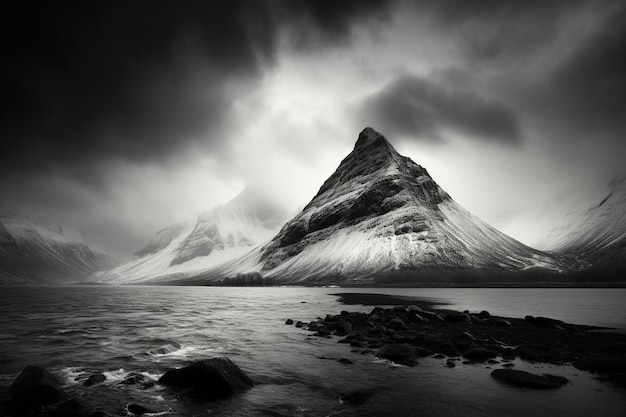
(406, 332)
(204, 238)
(34, 387)
(528, 380)
(161, 240)
(208, 380)
(94, 379)
(36, 393)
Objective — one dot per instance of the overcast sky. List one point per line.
(121, 117)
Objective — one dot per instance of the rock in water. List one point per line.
(528, 380)
(94, 379)
(401, 353)
(34, 387)
(208, 380)
(138, 409)
(165, 349)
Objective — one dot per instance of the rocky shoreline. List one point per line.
(403, 332)
(413, 329)
(37, 393)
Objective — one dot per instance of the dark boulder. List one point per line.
(401, 353)
(527, 353)
(610, 364)
(165, 349)
(34, 387)
(358, 396)
(431, 315)
(138, 409)
(416, 317)
(289, 322)
(479, 354)
(208, 380)
(545, 322)
(67, 408)
(395, 323)
(94, 379)
(484, 314)
(455, 317)
(526, 379)
(133, 378)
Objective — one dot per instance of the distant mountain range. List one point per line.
(379, 219)
(218, 235)
(36, 253)
(591, 230)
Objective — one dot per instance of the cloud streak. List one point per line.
(424, 109)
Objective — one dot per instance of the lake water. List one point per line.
(76, 331)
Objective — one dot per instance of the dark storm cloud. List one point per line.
(589, 88)
(139, 80)
(424, 109)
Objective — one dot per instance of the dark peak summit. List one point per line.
(372, 152)
(371, 138)
(373, 181)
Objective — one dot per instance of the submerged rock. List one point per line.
(526, 379)
(358, 396)
(479, 354)
(545, 322)
(401, 353)
(138, 409)
(165, 349)
(95, 379)
(133, 378)
(208, 380)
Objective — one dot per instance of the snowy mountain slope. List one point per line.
(593, 231)
(221, 234)
(378, 213)
(599, 238)
(36, 253)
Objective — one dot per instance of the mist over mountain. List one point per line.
(379, 214)
(218, 235)
(35, 252)
(589, 225)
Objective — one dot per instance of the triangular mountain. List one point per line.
(218, 235)
(381, 214)
(33, 252)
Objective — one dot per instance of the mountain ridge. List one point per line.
(380, 213)
(36, 253)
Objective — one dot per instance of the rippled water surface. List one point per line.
(76, 331)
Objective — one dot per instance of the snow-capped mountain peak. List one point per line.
(218, 235)
(36, 252)
(380, 211)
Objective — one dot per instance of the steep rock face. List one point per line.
(218, 235)
(34, 253)
(380, 212)
(246, 220)
(162, 239)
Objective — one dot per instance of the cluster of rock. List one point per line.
(403, 334)
(37, 393)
